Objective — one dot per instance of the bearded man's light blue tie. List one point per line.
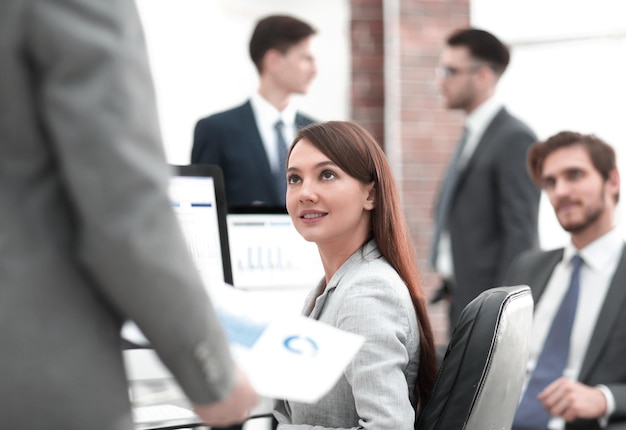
(531, 415)
(281, 173)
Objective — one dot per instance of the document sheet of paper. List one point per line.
(285, 357)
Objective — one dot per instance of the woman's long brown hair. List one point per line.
(357, 153)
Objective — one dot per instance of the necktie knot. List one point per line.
(577, 262)
(278, 126)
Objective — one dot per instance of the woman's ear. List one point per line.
(370, 201)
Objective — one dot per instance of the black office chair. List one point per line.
(483, 370)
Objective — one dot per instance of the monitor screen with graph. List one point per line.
(268, 253)
(199, 201)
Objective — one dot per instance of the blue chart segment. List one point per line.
(301, 345)
(264, 258)
(240, 330)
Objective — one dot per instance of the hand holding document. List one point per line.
(285, 357)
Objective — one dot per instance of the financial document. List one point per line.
(284, 356)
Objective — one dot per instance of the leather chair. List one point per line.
(482, 373)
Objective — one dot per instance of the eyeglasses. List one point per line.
(447, 72)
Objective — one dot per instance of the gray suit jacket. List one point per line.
(365, 296)
(604, 360)
(87, 235)
(493, 214)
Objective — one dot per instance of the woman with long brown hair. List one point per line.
(341, 195)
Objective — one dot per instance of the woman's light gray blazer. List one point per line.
(365, 296)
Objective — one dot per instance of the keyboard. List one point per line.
(161, 413)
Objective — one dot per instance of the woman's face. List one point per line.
(327, 206)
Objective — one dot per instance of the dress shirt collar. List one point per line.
(475, 125)
(599, 253)
(266, 116)
(266, 113)
(477, 121)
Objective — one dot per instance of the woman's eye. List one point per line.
(293, 179)
(328, 175)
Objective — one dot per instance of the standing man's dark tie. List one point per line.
(531, 415)
(445, 196)
(281, 172)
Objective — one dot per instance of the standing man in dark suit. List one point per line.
(249, 142)
(486, 212)
(88, 238)
(587, 389)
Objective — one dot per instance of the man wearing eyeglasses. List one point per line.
(486, 211)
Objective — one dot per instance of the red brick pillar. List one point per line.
(394, 95)
(428, 133)
(368, 86)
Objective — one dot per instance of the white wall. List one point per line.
(199, 55)
(567, 72)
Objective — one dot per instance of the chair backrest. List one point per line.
(483, 370)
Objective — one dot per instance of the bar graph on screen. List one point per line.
(267, 252)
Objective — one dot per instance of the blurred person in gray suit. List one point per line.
(87, 235)
(487, 207)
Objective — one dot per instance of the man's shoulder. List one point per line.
(233, 114)
(302, 120)
(534, 257)
(530, 262)
(512, 124)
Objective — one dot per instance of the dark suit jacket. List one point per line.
(604, 362)
(493, 214)
(231, 140)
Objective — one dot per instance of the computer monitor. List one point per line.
(270, 260)
(198, 198)
(268, 253)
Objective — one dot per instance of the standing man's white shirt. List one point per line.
(266, 116)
